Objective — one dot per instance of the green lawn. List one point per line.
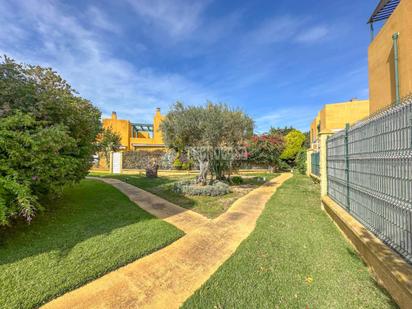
(90, 231)
(295, 258)
(209, 206)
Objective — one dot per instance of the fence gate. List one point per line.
(117, 162)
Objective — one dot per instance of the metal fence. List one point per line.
(315, 161)
(369, 167)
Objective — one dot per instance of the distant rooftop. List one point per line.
(384, 10)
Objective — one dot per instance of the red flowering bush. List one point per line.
(265, 150)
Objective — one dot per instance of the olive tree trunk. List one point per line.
(201, 154)
(204, 169)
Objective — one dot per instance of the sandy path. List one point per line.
(166, 278)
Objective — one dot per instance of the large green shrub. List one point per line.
(294, 141)
(300, 161)
(47, 137)
(182, 161)
(186, 166)
(177, 164)
(284, 166)
(236, 180)
(31, 162)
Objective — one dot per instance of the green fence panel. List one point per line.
(315, 163)
(369, 169)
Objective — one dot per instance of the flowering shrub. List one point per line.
(265, 150)
(190, 187)
(47, 137)
(31, 162)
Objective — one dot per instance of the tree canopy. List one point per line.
(281, 131)
(207, 131)
(212, 125)
(108, 141)
(47, 136)
(294, 141)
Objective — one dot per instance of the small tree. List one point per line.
(209, 133)
(293, 143)
(108, 142)
(265, 150)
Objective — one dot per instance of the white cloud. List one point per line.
(10, 33)
(275, 30)
(287, 28)
(352, 83)
(177, 18)
(286, 117)
(61, 41)
(44, 32)
(312, 35)
(100, 20)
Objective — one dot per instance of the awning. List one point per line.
(384, 10)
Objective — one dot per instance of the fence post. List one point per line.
(323, 163)
(410, 120)
(111, 162)
(347, 165)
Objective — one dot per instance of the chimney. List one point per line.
(114, 116)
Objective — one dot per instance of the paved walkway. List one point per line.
(182, 218)
(166, 278)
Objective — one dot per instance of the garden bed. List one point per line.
(209, 206)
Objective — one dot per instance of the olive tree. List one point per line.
(210, 133)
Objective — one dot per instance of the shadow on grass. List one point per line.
(355, 256)
(208, 206)
(83, 212)
(161, 186)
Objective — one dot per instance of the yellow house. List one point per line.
(137, 136)
(334, 117)
(390, 54)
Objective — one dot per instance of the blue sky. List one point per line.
(279, 61)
